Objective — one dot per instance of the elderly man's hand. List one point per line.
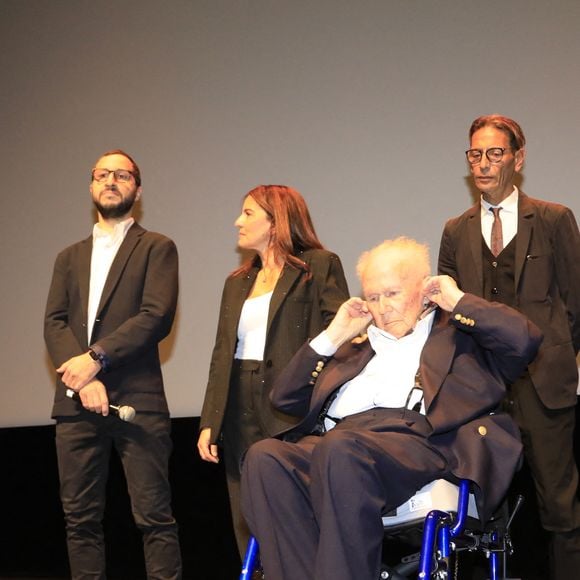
(350, 320)
(443, 291)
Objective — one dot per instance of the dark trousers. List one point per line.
(242, 427)
(83, 446)
(315, 506)
(548, 438)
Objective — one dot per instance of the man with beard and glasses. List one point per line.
(111, 301)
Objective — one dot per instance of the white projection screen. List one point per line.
(363, 106)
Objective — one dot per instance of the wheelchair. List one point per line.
(442, 518)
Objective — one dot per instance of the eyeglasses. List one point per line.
(120, 175)
(493, 154)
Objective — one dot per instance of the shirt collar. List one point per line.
(509, 204)
(118, 234)
(382, 339)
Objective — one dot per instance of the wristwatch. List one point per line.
(100, 358)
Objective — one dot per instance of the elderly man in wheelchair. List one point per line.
(413, 401)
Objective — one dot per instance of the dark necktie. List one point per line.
(496, 232)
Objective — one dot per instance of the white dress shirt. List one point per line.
(252, 328)
(105, 247)
(508, 216)
(389, 377)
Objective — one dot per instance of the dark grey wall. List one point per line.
(363, 106)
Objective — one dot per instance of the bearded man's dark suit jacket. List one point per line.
(464, 364)
(303, 303)
(135, 313)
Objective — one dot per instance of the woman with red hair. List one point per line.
(287, 291)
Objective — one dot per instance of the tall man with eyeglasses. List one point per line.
(525, 253)
(111, 301)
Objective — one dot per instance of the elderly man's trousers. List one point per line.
(315, 505)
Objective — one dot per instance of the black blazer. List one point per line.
(299, 309)
(468, 357)
(547, 280)
(135, 313)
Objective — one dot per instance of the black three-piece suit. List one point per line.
(538, 273)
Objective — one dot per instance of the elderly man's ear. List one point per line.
(428, 307)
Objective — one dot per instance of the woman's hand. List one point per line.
(206, 451)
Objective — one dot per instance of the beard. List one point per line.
(114, 210)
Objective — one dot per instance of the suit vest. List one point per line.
(498, 274)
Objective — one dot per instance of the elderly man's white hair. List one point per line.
(408, 256)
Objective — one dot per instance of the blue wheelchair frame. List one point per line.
(250, 559)
(440, 529)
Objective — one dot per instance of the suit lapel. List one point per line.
(285, 282)
(347, 365)
(84, 274)
(475, 240)
(125, 250)
(526, 216)
(436, 357)
(240, 288)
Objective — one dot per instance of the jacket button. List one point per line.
(494, 291)
(269, 363)
(482, 430)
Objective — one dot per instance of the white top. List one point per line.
(105, 248)
(508, 216)
(252, 328)
(388, 378)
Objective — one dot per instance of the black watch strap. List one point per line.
(101, 358)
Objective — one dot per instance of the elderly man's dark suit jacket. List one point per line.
(300, 308)
(547, 285)
(464, 363)
(135, 313)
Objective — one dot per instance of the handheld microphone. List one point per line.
(124, 412)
